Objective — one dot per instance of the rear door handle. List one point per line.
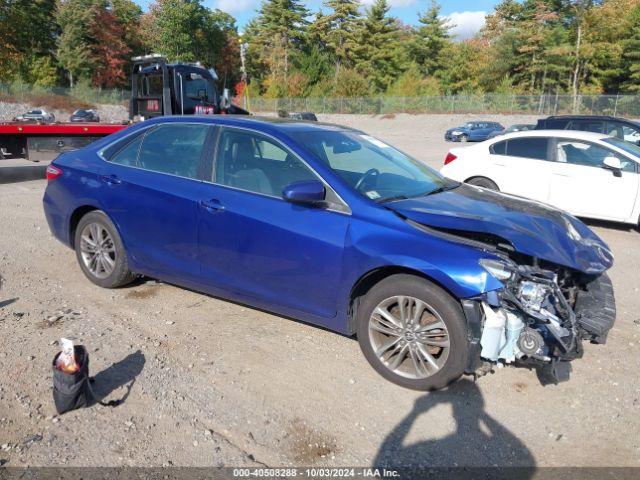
(212, 206)
(110, 179)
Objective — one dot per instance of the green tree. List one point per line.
(377, 54)
(279, 31)
(74, 43)
(27, 31)
(173, 29)
(413, 83)
(631, 53)
(430, 39)
(342, 24)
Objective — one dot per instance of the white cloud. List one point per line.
(465, 24)
(393, 3)
(235, 6)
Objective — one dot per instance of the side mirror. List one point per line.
(310, 192)
(613, 163)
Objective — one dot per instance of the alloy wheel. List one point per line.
(409, 337)
(98, 250)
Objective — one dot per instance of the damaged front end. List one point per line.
(539, 318)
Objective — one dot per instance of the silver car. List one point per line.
(36, 115)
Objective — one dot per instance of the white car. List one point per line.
(587, 174)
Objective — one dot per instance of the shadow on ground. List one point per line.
(15, 174)
(122, 373)
(478, 440)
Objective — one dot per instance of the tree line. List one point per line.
(345, 49)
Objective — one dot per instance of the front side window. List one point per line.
(174, 148)
(575, 152)
(256, 163)
(623, 131)
(370, 166)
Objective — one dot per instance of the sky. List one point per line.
(466, 15)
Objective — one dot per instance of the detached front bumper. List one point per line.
(595, 310)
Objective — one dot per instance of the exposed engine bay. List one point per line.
(542, 314)
(555, 291)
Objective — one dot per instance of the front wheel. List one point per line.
(464, 138)
(413, 333)
(100, 251)
(483, 182)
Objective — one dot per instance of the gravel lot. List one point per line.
(206, 382)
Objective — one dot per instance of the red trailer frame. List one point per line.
(43, 142)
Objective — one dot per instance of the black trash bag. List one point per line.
(71, 390)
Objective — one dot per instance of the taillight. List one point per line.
(449, 158)
(53, 172)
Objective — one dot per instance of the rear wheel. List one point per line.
(100, 251)
(483, 182)
(413, 333)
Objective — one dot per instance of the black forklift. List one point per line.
(162, 88)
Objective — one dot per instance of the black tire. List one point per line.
(449, 310)
(121, 275)
(483, 182)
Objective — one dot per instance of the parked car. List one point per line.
(298, 115)
(334, 227)
(36, 115)
(83, 115)
(518, 127)
(588, 174)
(628, 130)
(472, 132)
(303, 116)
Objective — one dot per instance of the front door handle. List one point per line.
(110, 179)
(211, 206)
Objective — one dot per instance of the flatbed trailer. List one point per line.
(43, 142)
(157, 88)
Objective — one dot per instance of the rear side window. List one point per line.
(556, 124)
(128, 155)
(174, 148)
(499, 148)
(587, 126)
(533, 147)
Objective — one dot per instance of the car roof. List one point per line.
(591, 117)
(573, 134)
(266, 124)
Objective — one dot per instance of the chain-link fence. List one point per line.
(621, 105)
(59, 96)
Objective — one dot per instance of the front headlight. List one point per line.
(500, 270)
(456, 132)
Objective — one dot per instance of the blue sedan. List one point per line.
(473, 132)
(334, 227)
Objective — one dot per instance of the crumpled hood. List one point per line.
(532, 228)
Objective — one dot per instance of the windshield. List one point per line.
(628, 147)
(371, 167)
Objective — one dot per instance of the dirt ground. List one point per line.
(207, 382)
